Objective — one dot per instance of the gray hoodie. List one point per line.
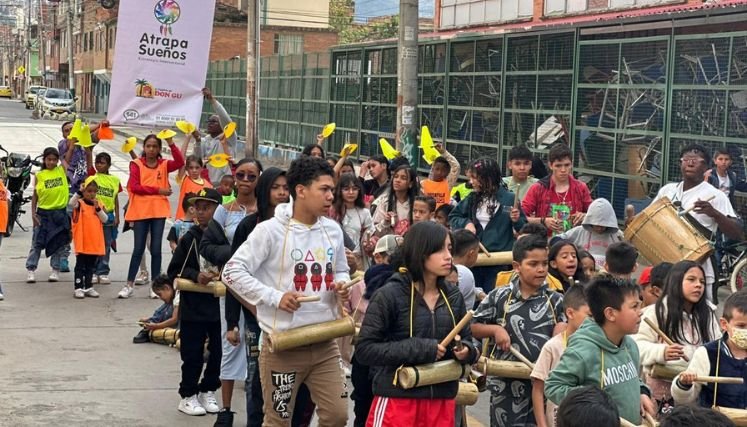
(283, 255)
(600, 213)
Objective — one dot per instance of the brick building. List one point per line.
(94, 33)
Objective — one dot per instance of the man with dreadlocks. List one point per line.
(559, 201)
(491, 212)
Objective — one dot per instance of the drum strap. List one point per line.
(718, 363)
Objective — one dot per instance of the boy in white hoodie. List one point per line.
(297, 253)
(597, 231)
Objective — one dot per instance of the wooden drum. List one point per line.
(738, 416)
(503, 368)
(311, 334)
(666, 372)
(661, 235)
(467, 394)
(217, 289)
(431, 373)
(168, 336)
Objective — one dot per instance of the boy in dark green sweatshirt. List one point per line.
(601, 352)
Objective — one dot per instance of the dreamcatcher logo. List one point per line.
(167, 12)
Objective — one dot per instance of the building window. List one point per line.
(112, 32)
(288, 44)
(460, 13)
(562, 7)
(85, 42)
(90, 40)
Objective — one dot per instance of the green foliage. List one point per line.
(341, 19)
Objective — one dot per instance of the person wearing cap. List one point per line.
(360, 294)
(711, 208)
(652, 281)
(88, 218)
(199, 314)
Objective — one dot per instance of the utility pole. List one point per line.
(28, 44)
(41, 40)
(407, 80)
(70, 67)
(252, 88)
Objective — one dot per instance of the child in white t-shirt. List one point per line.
(576, 310)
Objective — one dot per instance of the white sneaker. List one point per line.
(191, 406)
(30, 278)
(104, 280)
(79, 294)
(94, 279)
(125, 293)
(142, 277)
(55, 276)
(153, 294)
(2, 297)
(208, 402)
(91, 293)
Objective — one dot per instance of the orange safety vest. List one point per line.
(88, 230)
(3, 208)
(152, 205)
(189, 186)
(437, 190)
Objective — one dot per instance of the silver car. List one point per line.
(57, 101)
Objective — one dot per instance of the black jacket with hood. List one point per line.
(385, 341)
(185, 263)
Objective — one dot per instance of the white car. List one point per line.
(57, 101)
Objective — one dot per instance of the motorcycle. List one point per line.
(16, 172)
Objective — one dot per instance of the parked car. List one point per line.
(30, 95)
(6, 92)
(57, 101)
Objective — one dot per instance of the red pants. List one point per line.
(397, 412)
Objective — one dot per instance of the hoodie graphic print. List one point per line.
(282, 255)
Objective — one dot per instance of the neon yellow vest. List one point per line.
(108, 190)
(52, 190)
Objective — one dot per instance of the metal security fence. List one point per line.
(227, 81)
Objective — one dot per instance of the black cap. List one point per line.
(207, 194)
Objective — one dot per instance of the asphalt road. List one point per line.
(72, 362)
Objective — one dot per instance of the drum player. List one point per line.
(692, 192)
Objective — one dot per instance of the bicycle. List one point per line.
(733, 266)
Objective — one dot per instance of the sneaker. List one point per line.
(190, 406)
(125, 293)
(55, 276)
(207, 400)
(104, 280)
(94, 279)
(141, 337)
(2, 297)
(91, 293)
(64, 266)
(79, 294)
(30, 278)
(142, 277)
(224, 418)
(153, 294)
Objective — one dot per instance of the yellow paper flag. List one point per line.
(84, 137)
(426, 144)
(75, 131)
(129, 144)
(387, 150)
(229, 129)
(328, 130)
(349, 148)
(218, 160)
(185, 126)
(166, 134)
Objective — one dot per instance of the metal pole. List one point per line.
(41, 41)
(252, 93)
(407, 80)
(70, 67)
(28, 44)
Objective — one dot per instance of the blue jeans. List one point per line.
(102, 265)
(32, 262)
(142, 228)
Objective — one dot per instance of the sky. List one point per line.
(365, 9)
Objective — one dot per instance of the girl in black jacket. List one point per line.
(404, 323)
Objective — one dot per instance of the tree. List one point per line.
(341, 19)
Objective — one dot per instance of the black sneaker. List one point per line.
(224, 419)
(141, 337)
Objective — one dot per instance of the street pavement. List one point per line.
(70, 362)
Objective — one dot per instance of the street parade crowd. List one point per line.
(422, 291)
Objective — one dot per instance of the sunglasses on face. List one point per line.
(241, 176)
